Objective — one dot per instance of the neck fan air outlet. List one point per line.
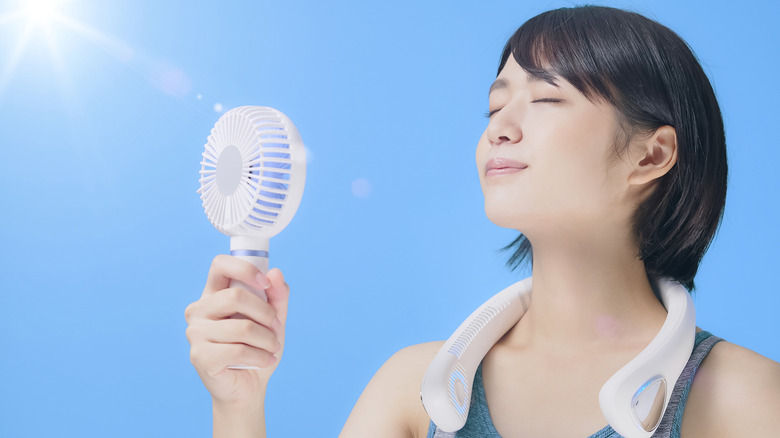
(252, 177)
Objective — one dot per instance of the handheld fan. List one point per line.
(252, 177)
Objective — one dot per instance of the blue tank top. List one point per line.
(479, 423)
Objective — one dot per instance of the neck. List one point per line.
(588, 296)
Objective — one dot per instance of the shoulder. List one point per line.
(390, 405)
(735, 392)
(413, 356)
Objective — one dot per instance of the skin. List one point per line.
(216, 341)
(592, 311)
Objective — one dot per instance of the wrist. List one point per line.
(238, 420)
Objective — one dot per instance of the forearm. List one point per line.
(235, 422)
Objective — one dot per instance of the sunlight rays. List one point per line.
(47, 21)
(36, 15)
(16, 53)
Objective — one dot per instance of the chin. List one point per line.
(500, 216)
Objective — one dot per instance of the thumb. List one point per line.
(278, 294)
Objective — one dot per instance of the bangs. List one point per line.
(573, 46)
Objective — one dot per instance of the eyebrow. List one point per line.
(502, 83)
(497, 85)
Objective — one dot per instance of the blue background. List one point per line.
(104, 240)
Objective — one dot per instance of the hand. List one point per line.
(217, 340)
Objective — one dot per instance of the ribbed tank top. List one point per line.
(479, 423)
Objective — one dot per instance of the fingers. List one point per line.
(278, 294)
(219, 339)
(229, 302)
(234, 331)
(232, 326)
(214, 358)
(225, 267)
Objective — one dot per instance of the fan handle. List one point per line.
(254, 250)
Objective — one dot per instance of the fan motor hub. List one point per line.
(229, 170)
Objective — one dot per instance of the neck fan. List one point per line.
(633, 400)
(252, 177)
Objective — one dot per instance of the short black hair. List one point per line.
(652, 78)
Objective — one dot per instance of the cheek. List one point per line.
(572, 175)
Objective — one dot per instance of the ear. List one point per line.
(656, 155)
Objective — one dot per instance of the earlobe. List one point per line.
(658, 156)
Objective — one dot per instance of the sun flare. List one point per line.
(50, 22)
(41, 13)
(39, 18)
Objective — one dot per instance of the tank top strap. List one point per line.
(672, 421)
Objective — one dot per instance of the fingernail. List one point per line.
(276, 325)
(262, 280)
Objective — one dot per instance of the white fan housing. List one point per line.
(253, 172)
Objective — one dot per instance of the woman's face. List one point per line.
(565, 140)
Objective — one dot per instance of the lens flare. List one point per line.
(41, 13)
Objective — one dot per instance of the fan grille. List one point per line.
(264, 141)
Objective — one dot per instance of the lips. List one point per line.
(499, 166)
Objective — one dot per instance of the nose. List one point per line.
(504, 129)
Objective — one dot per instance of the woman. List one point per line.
(605, 149)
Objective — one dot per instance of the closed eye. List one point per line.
(543, 100)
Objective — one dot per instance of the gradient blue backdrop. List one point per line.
(104, 241)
